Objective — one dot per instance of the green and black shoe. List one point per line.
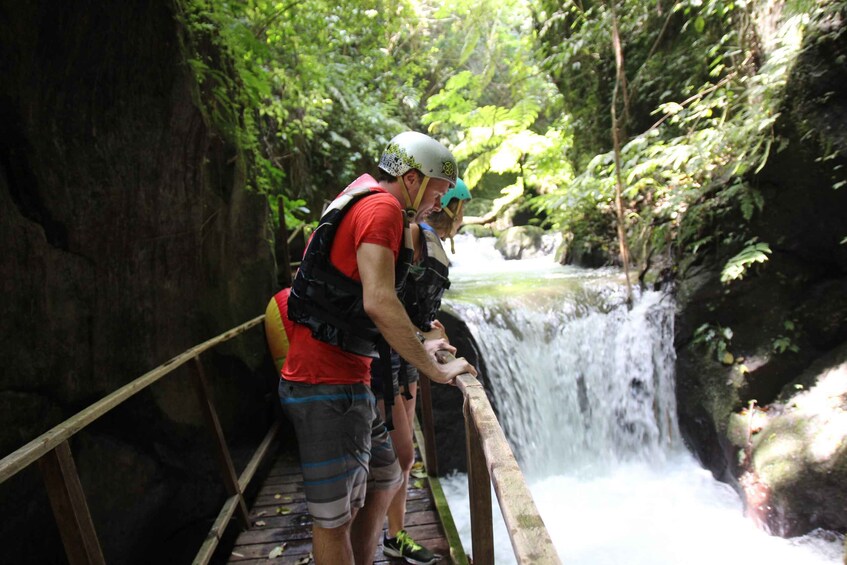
(407, 548)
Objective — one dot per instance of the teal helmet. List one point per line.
(460, 191)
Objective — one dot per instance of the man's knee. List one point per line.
(332, 545)
(337, 531)
(405, 450)
(406, 459)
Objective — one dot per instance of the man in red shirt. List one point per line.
(341, 311)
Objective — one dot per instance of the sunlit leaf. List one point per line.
(737, 266)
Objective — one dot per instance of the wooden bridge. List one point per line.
(280, 523)
(277, 528)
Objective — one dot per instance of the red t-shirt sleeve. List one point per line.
(376, 219)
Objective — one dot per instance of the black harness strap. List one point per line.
(384, 372)
(404, 379)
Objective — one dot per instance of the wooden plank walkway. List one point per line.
(278, 518)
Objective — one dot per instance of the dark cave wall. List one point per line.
(128, 236)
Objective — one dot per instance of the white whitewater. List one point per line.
(584, 388)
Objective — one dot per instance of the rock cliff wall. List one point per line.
(770, 417)
(128, 236)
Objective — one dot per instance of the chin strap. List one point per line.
(412, 209)
(452, 214)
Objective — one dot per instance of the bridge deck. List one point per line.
(279, 518)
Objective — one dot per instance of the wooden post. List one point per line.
(430, 456)
(222, 451)
(284, 266)
(70, 507)
(479, 493)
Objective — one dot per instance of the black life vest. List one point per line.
(427, 281)
(328, 302)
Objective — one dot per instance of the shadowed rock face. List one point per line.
(788, 320)
(447, 401)
(128, 236)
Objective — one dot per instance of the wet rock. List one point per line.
(799, 451)
(447, 401)
(581, 253)
(519, 241)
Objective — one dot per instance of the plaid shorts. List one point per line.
(344, 446)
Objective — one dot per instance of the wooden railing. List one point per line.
(52, 452)
(490, 461)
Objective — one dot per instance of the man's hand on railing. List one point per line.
(452, 369)
(450, 366)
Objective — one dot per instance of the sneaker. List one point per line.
(407, 548)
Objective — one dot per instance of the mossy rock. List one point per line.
(800, 451)
(519, 241)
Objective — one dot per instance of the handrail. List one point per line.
(37, 448)
(70, 508)
(491, 460)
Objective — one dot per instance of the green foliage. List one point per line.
(737, 266)
(715, 339)
(230, 86)
(784, 342)
(310, 92)
(710, 118)
(502, 109)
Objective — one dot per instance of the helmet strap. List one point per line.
(452, 214)
(412, 209)
(421, 191)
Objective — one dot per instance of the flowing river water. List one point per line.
(584, 389)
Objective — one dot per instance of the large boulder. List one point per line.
(582, 253)
(520, 242)
(447, 401)
(795, 451)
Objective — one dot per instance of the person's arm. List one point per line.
(376, 268)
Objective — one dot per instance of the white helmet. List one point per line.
(413, 150)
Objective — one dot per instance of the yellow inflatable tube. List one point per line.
(275, 332)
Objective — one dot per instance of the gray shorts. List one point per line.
(344, 446)
(398, 366)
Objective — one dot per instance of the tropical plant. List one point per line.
(710, 119)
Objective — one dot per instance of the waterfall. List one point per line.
(579, 384)
(584, 389)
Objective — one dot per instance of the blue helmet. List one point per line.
(459, 191)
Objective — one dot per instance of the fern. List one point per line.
(737, 266)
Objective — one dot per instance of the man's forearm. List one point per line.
(393, 323)
(376, 268)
